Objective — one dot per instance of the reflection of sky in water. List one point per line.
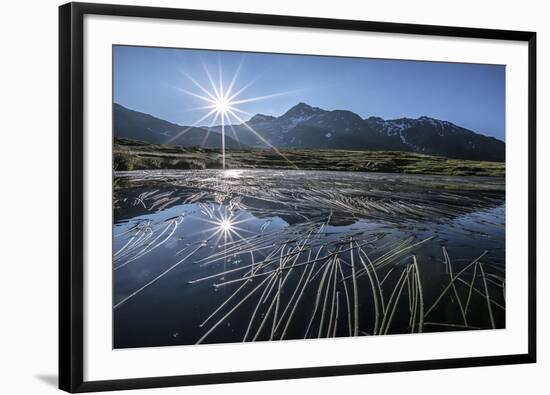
(154, 270)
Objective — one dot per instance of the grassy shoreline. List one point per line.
(136, 155)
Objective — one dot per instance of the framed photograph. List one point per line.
(257, 197)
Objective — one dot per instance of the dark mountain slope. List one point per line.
(136, 125)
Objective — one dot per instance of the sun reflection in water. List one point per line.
(226, 225)
(232, 173)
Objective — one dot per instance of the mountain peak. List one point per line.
(425, 118)
(300, 107)
(434, 121)
(302, 110)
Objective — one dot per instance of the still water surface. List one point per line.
(230, 255)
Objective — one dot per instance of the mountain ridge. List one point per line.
(307, 127)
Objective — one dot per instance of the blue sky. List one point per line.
(153, 80)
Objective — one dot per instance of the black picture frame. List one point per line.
(71, 224)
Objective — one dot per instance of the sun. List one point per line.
(222, 105)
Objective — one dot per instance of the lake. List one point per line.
(218, 256)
